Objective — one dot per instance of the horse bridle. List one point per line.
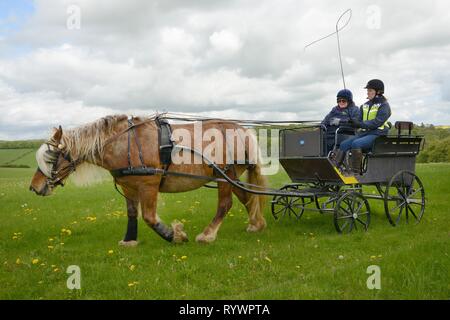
(57, 176)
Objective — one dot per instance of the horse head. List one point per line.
(54, 165)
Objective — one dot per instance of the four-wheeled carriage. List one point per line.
(318, 185)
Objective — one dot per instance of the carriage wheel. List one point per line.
(330, 202)
(352, 212)
(404, 198)
(287, 205)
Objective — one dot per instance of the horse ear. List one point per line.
(57, 134)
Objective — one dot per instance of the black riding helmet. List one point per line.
(376, 85)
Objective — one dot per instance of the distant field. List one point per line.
(291, 259)
(18, 157)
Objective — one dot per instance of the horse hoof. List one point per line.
(179, 236)
(131, 243)
(202, 238)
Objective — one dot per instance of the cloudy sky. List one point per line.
(71, 62)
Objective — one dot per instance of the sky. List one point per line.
(69, 62)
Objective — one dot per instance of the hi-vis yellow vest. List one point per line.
(370, 113)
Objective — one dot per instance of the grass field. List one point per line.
(17, 157)
(305, 259)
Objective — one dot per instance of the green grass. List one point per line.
(289, 260)
(17, 157)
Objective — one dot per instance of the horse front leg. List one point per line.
(224, 205)
(130, 239)
(148, 199)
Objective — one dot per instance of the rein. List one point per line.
(57, 176)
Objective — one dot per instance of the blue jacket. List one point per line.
(344, 115)
(383, 114)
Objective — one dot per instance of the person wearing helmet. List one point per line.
(340, 116)
(372, 122)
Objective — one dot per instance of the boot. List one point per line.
(338, 158)
(356, 161)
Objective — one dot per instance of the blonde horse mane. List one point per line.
(87, 143)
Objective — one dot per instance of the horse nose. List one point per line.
(32, 189)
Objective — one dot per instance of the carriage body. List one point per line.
(389, 167)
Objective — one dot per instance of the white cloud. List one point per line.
(244, 59)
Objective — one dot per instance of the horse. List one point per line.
(108, 143)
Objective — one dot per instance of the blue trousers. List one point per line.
(359, 142)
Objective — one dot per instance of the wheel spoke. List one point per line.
(399, 215)
(412, 212)
(344, 225)
(345, 217)
(362, 222)
(412, 194)
(399, 206)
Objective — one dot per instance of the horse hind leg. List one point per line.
(224, 205)
(253, 205)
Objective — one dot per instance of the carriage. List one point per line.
(144, 170)
(388, 174)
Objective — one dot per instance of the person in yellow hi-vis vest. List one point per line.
(373, 123)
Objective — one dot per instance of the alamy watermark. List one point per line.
(74, 280)
(229, 146)
(374, 280)
(373, 21)
(73, 21)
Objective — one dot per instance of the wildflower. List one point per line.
(110, 251)
(183, 257)
(35, 261)
(18, 261)
(132, 267)
(51, 239)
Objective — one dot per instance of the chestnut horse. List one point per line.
(106, 143)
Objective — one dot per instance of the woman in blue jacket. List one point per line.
(373, 123)
(340, 116)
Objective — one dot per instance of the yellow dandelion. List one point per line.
(183, 257)
(240, 257)
(51, 239)
(68, 232)
(18, 261)
(110, 251)
(373, 257)
(35, 261)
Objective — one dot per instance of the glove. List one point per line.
(354, 123)
(335, 122)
